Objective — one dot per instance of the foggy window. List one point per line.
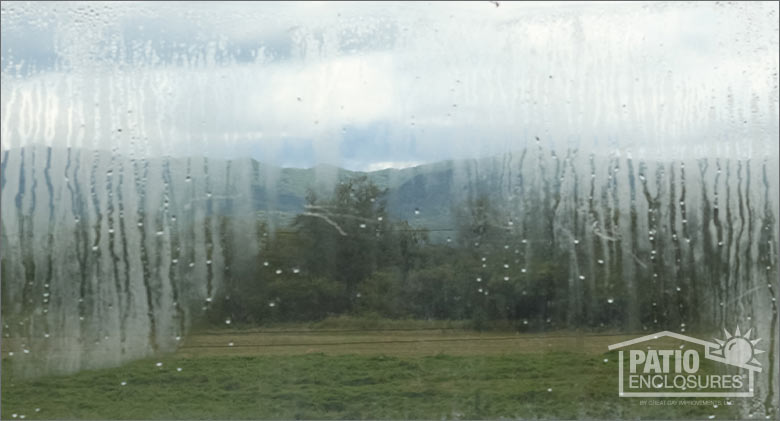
(386, 210)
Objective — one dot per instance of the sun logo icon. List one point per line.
(738, 349)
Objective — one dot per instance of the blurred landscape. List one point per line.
(384, 210)
(537, 240)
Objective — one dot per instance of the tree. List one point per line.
(341, 236)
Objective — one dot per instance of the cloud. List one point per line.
(376, 166)
(364, 85)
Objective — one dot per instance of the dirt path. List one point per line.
(392, 342)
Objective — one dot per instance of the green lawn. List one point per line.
(516, 383)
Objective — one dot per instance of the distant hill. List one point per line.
(424, 195)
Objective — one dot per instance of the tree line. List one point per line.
(345, 256)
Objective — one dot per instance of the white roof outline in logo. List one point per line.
(707, 347)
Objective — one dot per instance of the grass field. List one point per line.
(351, 373)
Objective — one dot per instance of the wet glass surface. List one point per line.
(386, 210)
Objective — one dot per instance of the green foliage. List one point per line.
(344, 256)
(299, 298)
(380, 295)
(340, 237)
(508, 266)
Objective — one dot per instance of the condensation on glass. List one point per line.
(144, 147)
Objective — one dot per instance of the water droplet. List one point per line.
(549, 389)
(362, 225)
(606, 360)
(159, 364)
(227, 321)
(523, 270)
(160, 233)
(296, 270)
(416, 211)
(582, 277)
(10, 353)
(208, 299)
(278, 271)
(379, 218)
(576, 242)
(123, 384)
(265, 263)
(272, 304)
(506, 278)
(610, 300)
(506, 266)
(178, 368)
(230, 343)
(479, 279)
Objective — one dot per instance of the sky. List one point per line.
(372, 85)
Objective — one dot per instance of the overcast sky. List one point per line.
(374, 85)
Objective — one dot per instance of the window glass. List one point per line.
(389, 210)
